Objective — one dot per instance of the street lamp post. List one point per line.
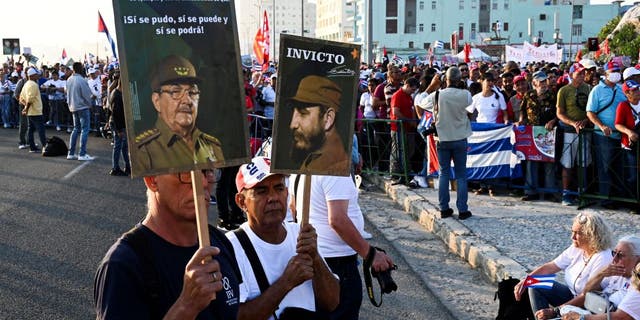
(302, 18)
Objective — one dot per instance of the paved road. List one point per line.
(58, 218)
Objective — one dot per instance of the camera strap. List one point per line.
(366, 271)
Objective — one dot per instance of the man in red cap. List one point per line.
(296, 275)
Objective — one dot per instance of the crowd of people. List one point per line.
(80, 98)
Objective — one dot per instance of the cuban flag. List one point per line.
(438, 44)
(491, 153)
(102, 27)
(543, 281)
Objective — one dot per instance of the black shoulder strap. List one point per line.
(141, 246)
(258, 271)
(227, 249)
(610, 102)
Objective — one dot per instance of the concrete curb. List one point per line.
(458, 238)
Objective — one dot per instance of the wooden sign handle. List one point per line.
(306, 198)
(202, 217)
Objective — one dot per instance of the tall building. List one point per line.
(333, 20)
(285, 16)
(407, 27)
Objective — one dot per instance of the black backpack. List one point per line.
(509, 308)
(55, 147)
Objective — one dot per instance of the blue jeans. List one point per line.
(607, 159)
(532, 176)
(81, 121)
(5, 104)
(542, 298)
(120, 147)
(36, 123)
(456, 150)
(346, 268)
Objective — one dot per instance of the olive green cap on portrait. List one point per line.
(173, 69)
(317, 90)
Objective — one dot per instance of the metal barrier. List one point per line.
(618, 173)
(380, 155)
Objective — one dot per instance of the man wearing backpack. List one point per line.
(157, 270)
(279, 261)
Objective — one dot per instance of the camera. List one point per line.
(387, 285)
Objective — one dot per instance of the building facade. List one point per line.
(285, 16)
(406, 27)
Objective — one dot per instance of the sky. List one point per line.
(71, 25)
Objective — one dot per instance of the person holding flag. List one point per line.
(589, 252)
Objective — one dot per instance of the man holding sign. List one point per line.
(175, 142)
(156, 270)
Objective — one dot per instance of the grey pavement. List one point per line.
(505, 237)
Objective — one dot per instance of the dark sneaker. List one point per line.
(127, 171)
(117, 172)
(446, 213)
(464, 215)
(530, 197)
(36, 150)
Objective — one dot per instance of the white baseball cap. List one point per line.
(588, 63)
(32, 71)
(253, 173)
(630, 72)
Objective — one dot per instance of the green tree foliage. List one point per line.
(608, 28)
(624, 42)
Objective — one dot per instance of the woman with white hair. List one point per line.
(588, 253)
(628, 308)
(613, 280)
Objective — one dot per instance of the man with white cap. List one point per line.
(30, 98)
(96, 98)
(601, 109)
(590, 74)
(631, 73)
(286, 253)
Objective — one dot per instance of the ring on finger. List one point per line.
(214, 277)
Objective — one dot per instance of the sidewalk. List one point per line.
(506, 236)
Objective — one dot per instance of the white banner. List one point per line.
(530, 53)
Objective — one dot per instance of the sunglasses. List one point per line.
(617, 254)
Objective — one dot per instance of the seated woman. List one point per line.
(628, 308)
(613, 280)
(589, 253)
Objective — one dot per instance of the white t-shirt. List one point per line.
(323, 189)
(366, 100)
(96, 89)
(421, 101)
(274, 259)
(576, 271)
(630, 304)
(487, 107)
(615, 287)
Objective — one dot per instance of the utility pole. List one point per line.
(302, 17)
(369, 31)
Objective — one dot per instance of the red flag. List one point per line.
(467, 52)
(598, 53)
(266, 42)
(384, 51)
(578, 55)
(64, 53)
(258, 42)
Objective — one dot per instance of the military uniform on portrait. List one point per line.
(159, 147)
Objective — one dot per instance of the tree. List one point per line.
(624, 42)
